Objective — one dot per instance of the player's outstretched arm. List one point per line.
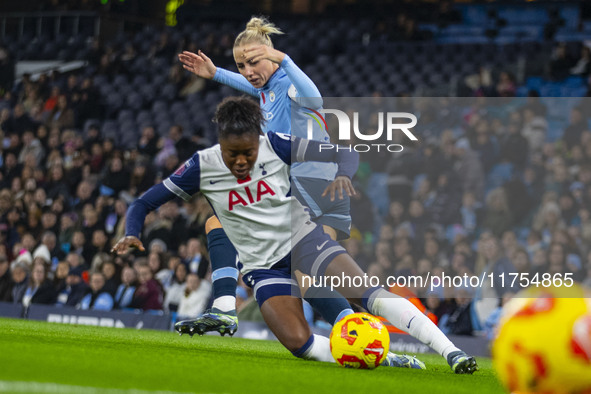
(198, 63)
(201, 65)
(136, 214)
(306, 93)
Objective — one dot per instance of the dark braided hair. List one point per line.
(238, 116)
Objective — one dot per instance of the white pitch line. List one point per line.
(46, 387)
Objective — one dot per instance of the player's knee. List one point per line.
(297, 340)
(212, 223)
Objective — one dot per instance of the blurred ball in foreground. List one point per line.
(544, 341)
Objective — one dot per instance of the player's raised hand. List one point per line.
(198, 64)
(340, 184)
(126, 243)
(254, 53)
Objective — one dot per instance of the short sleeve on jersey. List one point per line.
(184, 182)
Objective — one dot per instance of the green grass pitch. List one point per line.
(47, 357)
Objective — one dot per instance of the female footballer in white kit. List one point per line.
(272, 231)
(287, 97)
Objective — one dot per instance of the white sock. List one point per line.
(319, 350)
(406, 317)
(225, 303)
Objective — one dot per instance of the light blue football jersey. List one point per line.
(288, 110)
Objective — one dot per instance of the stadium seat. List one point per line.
(139, 81)
(168, 92)
(125, 115)
(114, 100)
(120, 79)
(159, 106)
(144, 117)
(134, 100)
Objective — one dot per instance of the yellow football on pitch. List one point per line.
(359, 340)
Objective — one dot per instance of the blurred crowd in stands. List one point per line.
(484, 193)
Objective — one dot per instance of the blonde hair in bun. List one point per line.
(258, 29)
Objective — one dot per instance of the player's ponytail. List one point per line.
(258, 31)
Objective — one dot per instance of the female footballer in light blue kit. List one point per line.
(251, 201)
(287, 96)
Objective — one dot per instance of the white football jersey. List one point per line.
(258, 214)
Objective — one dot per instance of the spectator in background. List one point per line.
(99, 241)
(197, 211)
(75, 288)
(469, 169)
(497, 264)
(51, 101)
(583, 66)
(514, 146)
(461, 320)
(149, 294)
(506, 85)
(520, 260)
(560, 63)
(148, 143)
(19, 272)
(176, 290)
(498, 218)
(548, 220)
(126, 290)
(195, 298)
(116, 177)
(87, 107)
(19, 122)
(196, 261)
(31, 146)
(471, 212)
(56, 185)
(168, 227)
(62, 115)
(166, 275)
(5, 280)
(98, 299)
(183, 145)
(84, 195)
(93, 136)
(31, 98)
(156, 262)
(60, 276)
(574, 131)
(109, 270)
(492, 321)
(142, 177)
(6, 70)
(39, 290)
(80, 250)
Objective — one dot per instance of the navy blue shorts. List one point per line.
(275, 281)
(311, 256)
(314, 252)
(335, 214)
